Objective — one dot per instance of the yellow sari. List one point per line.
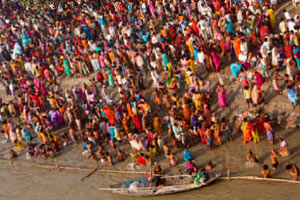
(272, 17)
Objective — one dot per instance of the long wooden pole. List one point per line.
(72, 168)
(260, 179)
(52, 167)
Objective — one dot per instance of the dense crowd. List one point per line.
(168, 46)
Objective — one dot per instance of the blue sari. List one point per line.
(292, 96)
(235, 68)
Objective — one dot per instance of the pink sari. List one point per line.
(222, 97)
(216, 59)
(25, 116)
(152, 9)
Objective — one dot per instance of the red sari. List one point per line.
(137, 123)
(110, 115)
(288, 50)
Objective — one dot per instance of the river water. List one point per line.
(36, 184)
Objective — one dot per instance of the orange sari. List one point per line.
(110, 115)
(186, 114)
(246, 132)
(125, 123)
(156, 125)
(237, 46)
(129, 110)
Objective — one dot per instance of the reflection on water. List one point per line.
(37, 184)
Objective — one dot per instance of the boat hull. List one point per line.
(163, 190)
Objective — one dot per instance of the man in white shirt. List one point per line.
(201, 60)
(291, 25)
(206, 10)
(141, 64)
(29, 67)
(282, 26)
(244, 50)
(265, 48)
(205, 28)
(200, 6)
(154, 38)
(286, 14)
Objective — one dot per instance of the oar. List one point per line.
(92, 172)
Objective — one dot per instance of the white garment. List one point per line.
(144, 7)
(191, 39)
(244, 52)
(287, 15)
(206, 11)
(275, 56)
(274, 2)
(199, 6)
(295, 2)
(29, 68)
(125, 84)
(112, 31)
(154, 77)
(282, 27)
(154, 64)
(290, 72)
(244, 48)
(251, 8)
(201, 57)
(140, 61)
(291, 26)
(155, 39)
(119, 79)
(265, 49)
(240, 16)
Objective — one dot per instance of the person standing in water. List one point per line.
(273, 156)
(293, 170)
(266, 171)
(269, 131)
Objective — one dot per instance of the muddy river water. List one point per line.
(36, 184)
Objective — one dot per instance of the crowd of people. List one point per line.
(130, 46)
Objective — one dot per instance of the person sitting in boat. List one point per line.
(293, 170)
(208, 166)
(191, 167)
(157, 169)
(187, 154)
(155, 181)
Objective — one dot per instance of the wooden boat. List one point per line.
(160, 185)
